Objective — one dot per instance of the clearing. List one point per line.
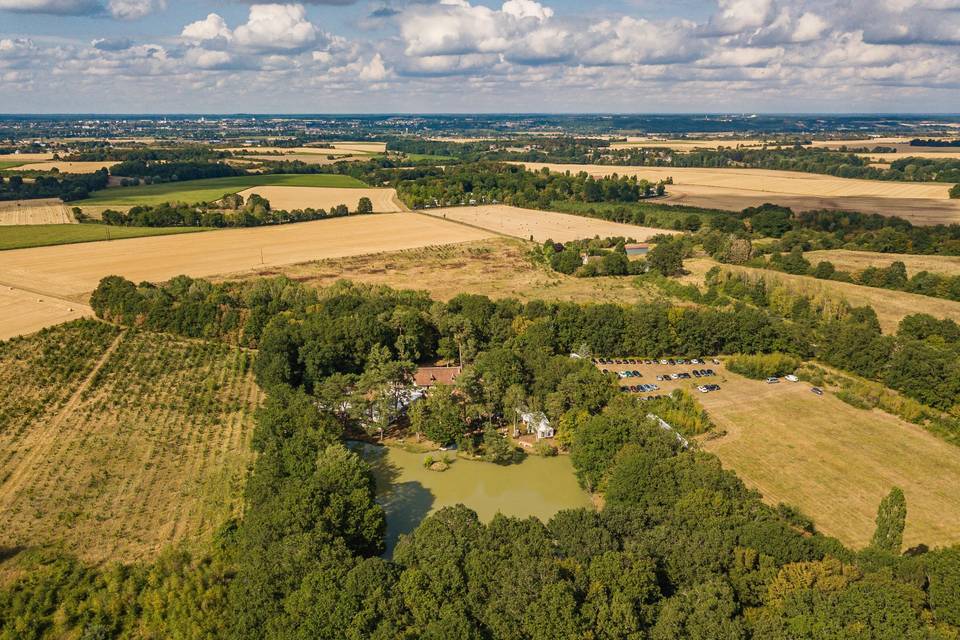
(833, 461)
(290, 198)
(193, 191)
(67, 167)
(42, 211)
(542, 225)
(497, 267)
(115, 446)
(855, 261)
(891, 306)
(737, 189)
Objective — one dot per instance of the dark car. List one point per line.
(817, 390)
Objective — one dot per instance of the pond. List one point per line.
(409, 492)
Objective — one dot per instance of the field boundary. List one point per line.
(472, 226)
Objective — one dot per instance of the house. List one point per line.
(639, 249)
(536, 423)
(427, 377)
(587, 258)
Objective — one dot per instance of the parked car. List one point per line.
(671, 362)
(710, 372)
(772, 380)
(817, 390)
(703, 389)
(715, 361)
(637, 374)
(697, 374)
(663, 362)
(792, 378)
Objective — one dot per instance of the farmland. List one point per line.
(43, 235)
(73, 271)
(737, 189)
(496, 267)
(290, 198)
(64, 166)
(42, 211)
(23, 311)
(833, 461)
(541, 225)
(119, 446)
(210, 190)
(855, 261)
(891, 306)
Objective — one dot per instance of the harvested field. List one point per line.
(73, 271)
(737, 189)
(23, 158)
(361, 147)
(117, 446)
(290, 198)
(45, 211)
(279, 152)
(891, 306)
(497, 267)
(310, 158)
(683, 144)
(23, 312)
(542, 225)
(855, 261)
(193, 191)
(833, 461)
(67, 167)
(914, 152)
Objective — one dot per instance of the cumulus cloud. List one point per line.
(277, 27)
(213, 27)
(374, 70)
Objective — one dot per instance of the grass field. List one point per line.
(9, 165)
(496, 267)
(541, 225)
(833, 461)
(116, 446)
(737, 189)
(42, 235)
(209, 190)
(855, 261)
(891, 306)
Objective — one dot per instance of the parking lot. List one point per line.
(646, 378)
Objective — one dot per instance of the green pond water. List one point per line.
(409, 492)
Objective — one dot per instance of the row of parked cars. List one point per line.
(792, 378)
(665, 362)
(707, 388)
(640, 388)
(696, 373)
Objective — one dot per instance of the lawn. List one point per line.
(42, 235)
(9, 165)
(193, 191)
(655, 214)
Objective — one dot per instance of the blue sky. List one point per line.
(230, 56)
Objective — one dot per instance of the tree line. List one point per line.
(68, 187)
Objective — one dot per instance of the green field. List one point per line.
(9, 165)
(664, 216)
(42, 235)
(209, 190)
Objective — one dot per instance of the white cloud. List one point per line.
(276, 27)
(54, 7)
(374, 70)
(809, 27)
(212, 27)
(134, 9)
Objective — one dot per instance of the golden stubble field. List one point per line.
(833, 461)
(290, 198)
(67, 167)
(542, 225)
(737, 189)
(141, 444)
(42, 211)
(891, 306)
(23, 312)
(856, 261)
(72, 271)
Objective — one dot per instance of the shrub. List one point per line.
(762, 366)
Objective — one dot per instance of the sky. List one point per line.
(463, 56)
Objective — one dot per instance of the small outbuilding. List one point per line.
(536, 423)
(427, 377)
(639, 249)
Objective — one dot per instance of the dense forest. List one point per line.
(681, 549)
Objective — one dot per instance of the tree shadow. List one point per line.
(406, 504)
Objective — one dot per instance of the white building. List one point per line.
(537, 423)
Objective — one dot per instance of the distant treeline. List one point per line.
(162, 171)
(192, 153)
(920, 142)
(68, 187)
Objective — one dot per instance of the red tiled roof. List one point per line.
(431, 376)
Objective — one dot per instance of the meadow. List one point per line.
(891, 306)
(210, 190)
(116, 446)
(855, 261)
(833, 461)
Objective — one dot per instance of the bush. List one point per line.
(762, 366)
(545, 449)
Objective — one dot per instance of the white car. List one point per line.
(663, 362)
(703, 389)
(792, 378)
